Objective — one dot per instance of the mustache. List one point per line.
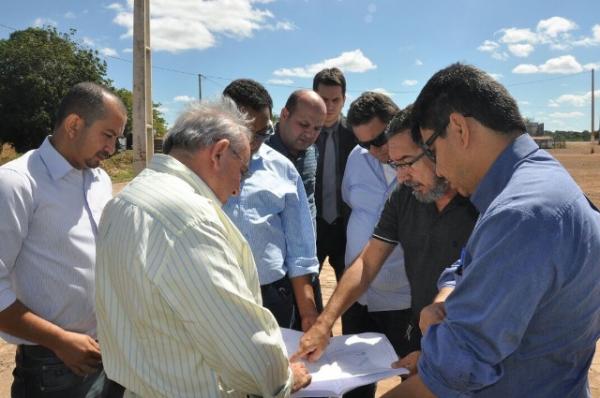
(103, 155)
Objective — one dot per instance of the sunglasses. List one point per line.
(378, 141)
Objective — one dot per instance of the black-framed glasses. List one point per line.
(426, 147)
(378, 141)
(265, 133)
(397, 165)
(244, 170)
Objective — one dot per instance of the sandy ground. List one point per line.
(577, 158)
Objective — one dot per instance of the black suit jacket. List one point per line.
(345, 143)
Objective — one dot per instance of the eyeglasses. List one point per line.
(397, 165)
(265, 133)
(378, 141)
(426, 147)
(244, 170)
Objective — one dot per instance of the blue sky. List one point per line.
(542, 50)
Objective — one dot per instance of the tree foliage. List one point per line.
(158, 121)
(37, 68)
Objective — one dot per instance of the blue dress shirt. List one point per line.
(365, 189)
(272, 213)
(524, 317)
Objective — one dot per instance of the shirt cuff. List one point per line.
(302, 266)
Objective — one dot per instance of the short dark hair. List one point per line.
(369, 105)
(330, 77)
(292, 101)
(86, 100)
(470, 91)
(249, 93)
(401, 122)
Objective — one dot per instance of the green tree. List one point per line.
(37, 68)
(158, 121)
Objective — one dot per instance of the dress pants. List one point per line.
(331, 242)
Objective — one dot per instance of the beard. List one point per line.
(95, 161)
(440, 187)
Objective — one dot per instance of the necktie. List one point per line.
(329, 205)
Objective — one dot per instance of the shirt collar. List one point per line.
(55, 163)
(168, 164)
(501, 171)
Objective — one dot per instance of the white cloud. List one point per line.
(577, 100)
(372, 8)
(565, 115)
(163, 109)
(500, 56)
(515, 35)
(179, 25)
(565, 64)
(285, 82)
(552, 27)
(497, 76)
(525, 69)
(39, 22)
(592, 65)
(88, 42)
(520, 50)
(183, 98)
(108, 52)
(418, 62)
(594, 40)
(524, 103)
(383, 91)
(127, 50)
(349, 61)
(488, 46)
(409, 83)
(368, 18)
(70, 15)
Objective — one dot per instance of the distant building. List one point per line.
(534, 128)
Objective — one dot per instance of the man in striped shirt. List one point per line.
(178, 298)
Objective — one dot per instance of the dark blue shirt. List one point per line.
(524, 316)
(306, 164)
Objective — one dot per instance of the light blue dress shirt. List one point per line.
(272, 213)
(524, 317)
(50, 212)
(365, 189)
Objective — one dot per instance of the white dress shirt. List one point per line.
(49, 213)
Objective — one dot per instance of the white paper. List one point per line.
(349, 361)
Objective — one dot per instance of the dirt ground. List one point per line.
(581, 159)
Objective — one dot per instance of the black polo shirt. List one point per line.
(431, 240)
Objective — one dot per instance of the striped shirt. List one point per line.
(49, 213)
(178, 300)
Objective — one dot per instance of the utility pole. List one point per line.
(143, 135)
(199, 86)
(593, 100)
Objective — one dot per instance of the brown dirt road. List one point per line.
(583, 165)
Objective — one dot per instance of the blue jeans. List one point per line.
(40, 373)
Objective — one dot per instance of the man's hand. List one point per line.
(309, 320)
(79, 352)
(313, 343)
(301, 376)
(431, 315)
(409, 362)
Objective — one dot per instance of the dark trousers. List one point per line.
(40, 373)
(331, 242)
(393, 324)
(278, 297)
